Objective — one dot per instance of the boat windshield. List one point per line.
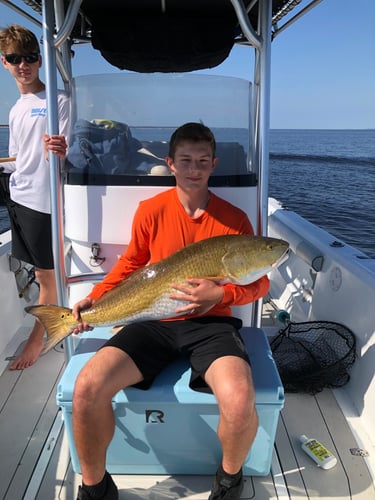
(122, 124)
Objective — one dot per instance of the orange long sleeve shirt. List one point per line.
(161, 227)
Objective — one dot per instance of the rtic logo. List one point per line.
(154, 417)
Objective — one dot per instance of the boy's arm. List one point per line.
(236, 295)
(58, 143)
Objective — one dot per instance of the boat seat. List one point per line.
(170, 428)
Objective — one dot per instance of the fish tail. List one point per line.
(58, 322)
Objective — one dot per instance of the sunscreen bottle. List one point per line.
(318, 452)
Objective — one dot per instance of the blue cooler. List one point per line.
(171, 429)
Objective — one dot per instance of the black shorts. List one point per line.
(4, 188)
(31, 236)
(154, 344)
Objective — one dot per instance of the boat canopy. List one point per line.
(166, 35)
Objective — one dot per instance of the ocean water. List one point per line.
(326, 176)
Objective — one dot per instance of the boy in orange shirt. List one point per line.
(207, 331)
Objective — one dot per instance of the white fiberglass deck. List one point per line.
(36, 465)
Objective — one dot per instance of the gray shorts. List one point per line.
(152, 345)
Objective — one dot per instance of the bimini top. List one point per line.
(166, 35)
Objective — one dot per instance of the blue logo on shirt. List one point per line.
(38, 112)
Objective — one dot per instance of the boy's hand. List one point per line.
(201, 295)
(77, 308)
(56, 144)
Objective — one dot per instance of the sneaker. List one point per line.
(224, 489)
(110, 494)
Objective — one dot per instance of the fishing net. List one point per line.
(313, 355)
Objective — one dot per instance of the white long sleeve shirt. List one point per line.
(30, 181)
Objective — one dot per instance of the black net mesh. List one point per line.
(313, 355)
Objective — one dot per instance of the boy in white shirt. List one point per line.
(29, 207)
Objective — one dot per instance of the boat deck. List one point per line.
(36, 465)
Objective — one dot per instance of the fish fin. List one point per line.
(58, 322)
(234, 263)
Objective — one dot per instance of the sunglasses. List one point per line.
(17, 58)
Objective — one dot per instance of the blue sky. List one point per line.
(323, 67)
